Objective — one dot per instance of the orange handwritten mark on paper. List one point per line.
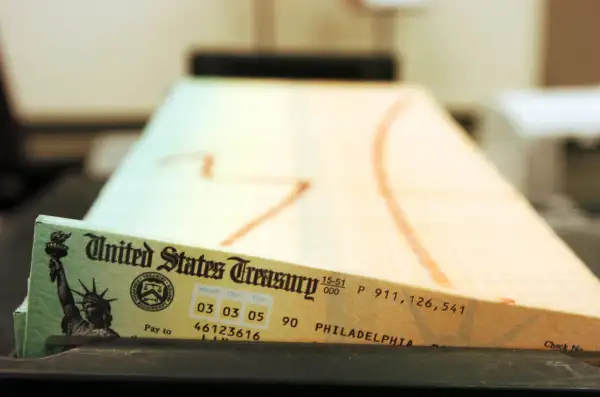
(208, 161)
(207, 166)
(180, 156)
(207, 172)
(508, 301)
(300, 188)
(400, 220)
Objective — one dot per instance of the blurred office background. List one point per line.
(80, 78)
(73, 60)
(77, 69)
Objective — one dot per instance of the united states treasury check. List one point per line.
(96, 283)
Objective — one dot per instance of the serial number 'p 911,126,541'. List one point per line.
(420, 301)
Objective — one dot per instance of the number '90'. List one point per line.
(290, 322)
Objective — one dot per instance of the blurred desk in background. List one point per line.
(546, 143)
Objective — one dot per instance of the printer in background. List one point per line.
(547, 144)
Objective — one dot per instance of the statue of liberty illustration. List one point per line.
(95, 306)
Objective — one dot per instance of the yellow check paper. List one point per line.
(94, 283)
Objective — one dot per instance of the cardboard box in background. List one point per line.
(571, 43)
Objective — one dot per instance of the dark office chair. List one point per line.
(11, 146)
(10, 149)
(20, 177)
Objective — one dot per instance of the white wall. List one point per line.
(464, 50)
(110, 56)
(93, 58)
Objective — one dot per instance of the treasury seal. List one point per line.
(152, 291)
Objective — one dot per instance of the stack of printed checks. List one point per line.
(309, 212)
